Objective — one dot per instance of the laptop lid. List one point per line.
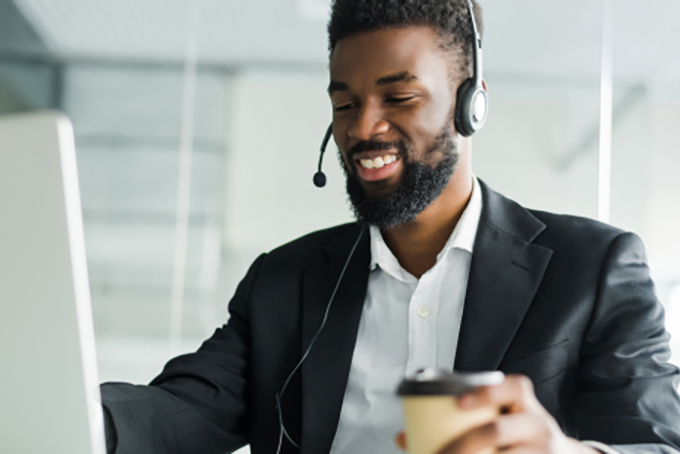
(49, 389)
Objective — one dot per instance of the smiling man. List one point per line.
(393, 95)
(440, 271)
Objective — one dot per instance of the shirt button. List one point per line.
(422, 312)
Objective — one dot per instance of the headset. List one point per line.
(472, 103)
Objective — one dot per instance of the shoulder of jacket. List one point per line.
(570, 229)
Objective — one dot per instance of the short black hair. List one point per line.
(449, 18)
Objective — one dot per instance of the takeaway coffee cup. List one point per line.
(432, 418)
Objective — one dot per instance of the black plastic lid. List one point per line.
(433, 382)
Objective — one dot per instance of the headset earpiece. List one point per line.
(472, 104)
(471, 108)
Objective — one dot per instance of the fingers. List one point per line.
(508, 432)
(400, 440)
(523, 429)
(515, 394)
(479, 439)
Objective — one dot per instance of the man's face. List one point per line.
(393, 121)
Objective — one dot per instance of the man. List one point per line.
(447, 273)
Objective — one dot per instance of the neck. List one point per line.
(416, 244)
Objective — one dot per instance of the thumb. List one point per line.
(400, 440)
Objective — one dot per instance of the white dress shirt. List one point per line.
(406, 324)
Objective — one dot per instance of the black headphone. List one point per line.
(472, 104)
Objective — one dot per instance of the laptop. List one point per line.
(49, 389)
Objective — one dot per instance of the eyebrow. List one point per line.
(337, 86)
(403, 76)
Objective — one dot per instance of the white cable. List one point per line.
(279, 395)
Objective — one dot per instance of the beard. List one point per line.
(420, 184)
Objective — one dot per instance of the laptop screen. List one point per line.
(49, 398)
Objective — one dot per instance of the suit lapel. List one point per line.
(505, 273)
(326, 369)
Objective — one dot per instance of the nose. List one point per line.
(368, 124)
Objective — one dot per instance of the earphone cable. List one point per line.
(279, 395)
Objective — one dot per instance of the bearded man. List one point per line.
(439, 271)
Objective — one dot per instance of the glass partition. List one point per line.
(646, 141)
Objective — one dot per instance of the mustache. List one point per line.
(373, 145)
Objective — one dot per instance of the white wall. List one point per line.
(525, 149)
(279, 121)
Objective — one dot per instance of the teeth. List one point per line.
(378, 162)
(367, 163)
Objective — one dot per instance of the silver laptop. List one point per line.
(49, 390)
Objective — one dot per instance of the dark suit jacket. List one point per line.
(564, 300)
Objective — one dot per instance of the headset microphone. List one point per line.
(471, 99)
(319, 176)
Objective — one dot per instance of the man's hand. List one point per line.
(523, 426)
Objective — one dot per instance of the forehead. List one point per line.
(373, 54)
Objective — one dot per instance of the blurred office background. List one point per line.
(198, 125)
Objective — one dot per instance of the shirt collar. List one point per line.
(462, 237)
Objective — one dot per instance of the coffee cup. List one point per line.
(432, 417)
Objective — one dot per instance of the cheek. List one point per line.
(340, 136)
(425, 127)
(439, 115)
(342, 159)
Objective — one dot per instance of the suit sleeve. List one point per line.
(199, 403)
(628, 395)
